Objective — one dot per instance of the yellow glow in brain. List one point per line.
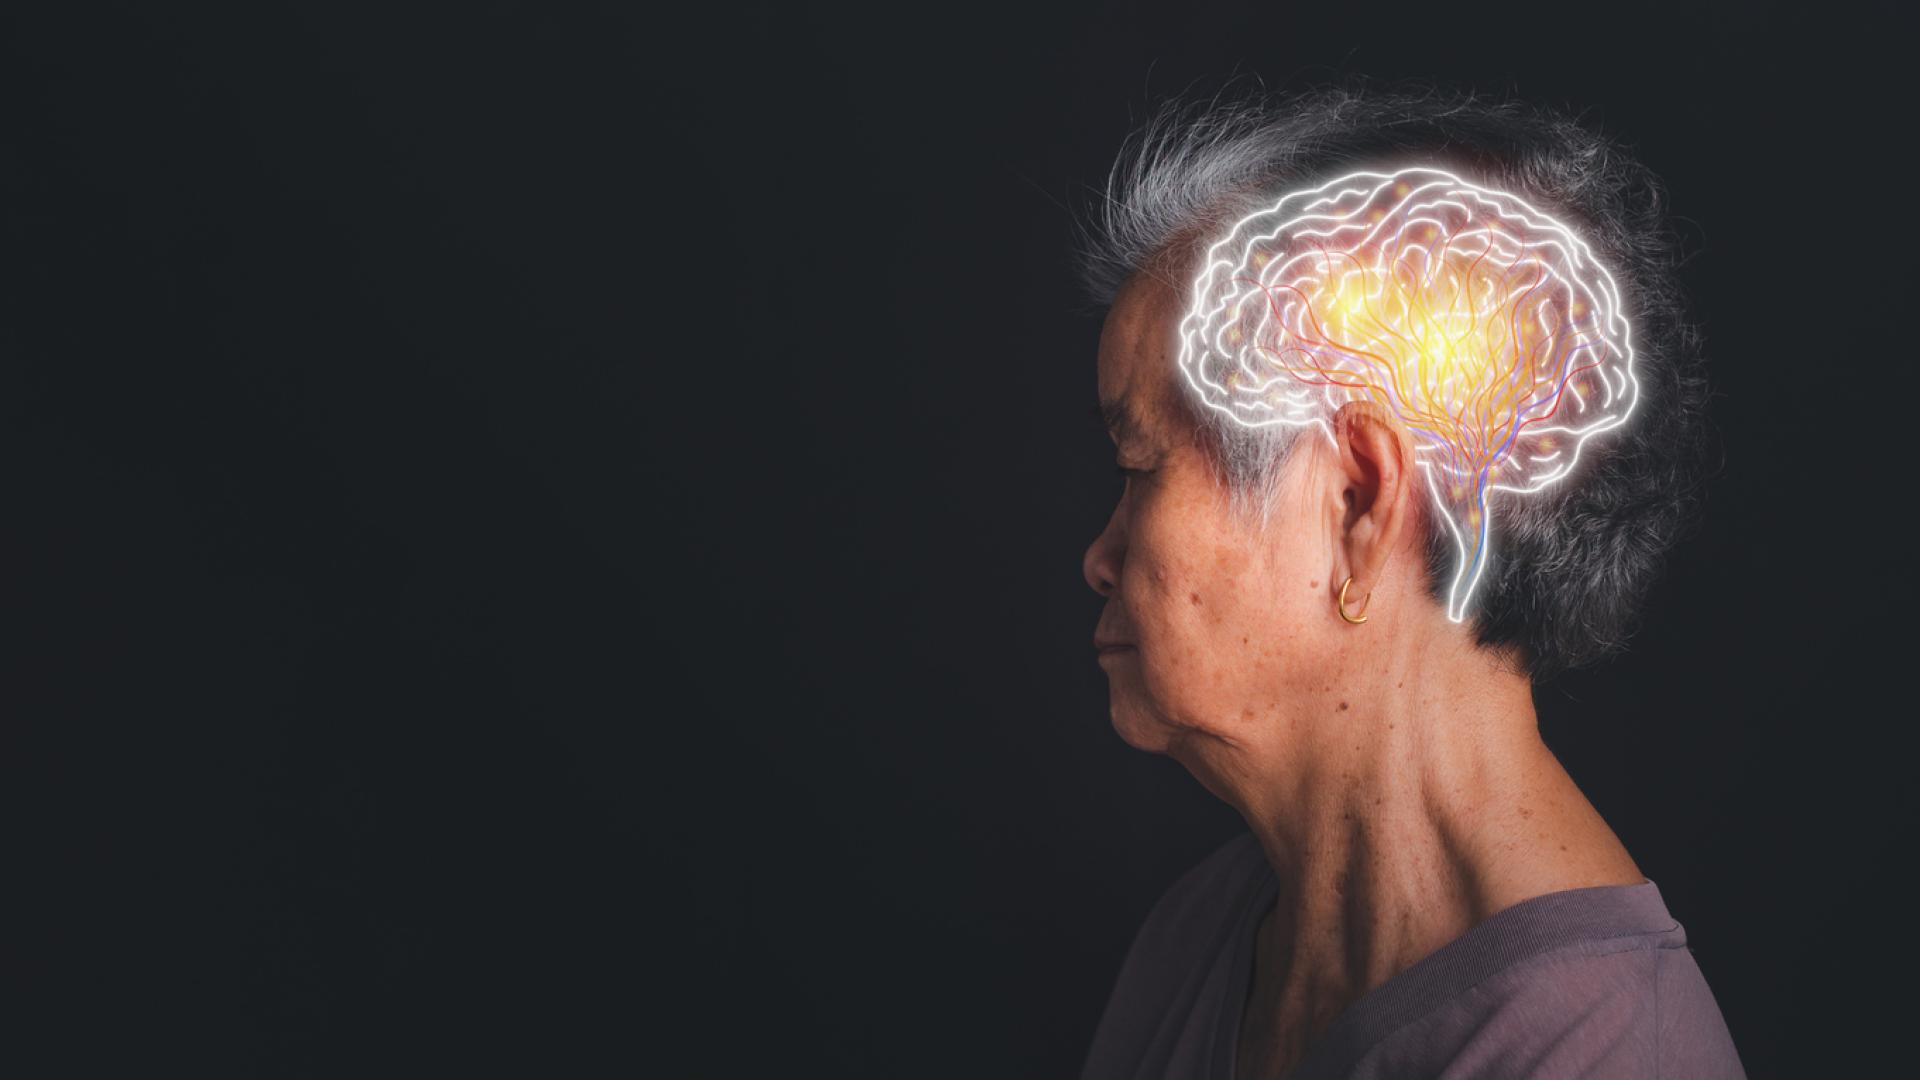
(1484, 325)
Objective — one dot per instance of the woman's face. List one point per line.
(1218, 627)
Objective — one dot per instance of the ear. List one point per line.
(1374, 466)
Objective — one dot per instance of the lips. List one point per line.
(1103, 645)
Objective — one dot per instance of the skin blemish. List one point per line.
(1343, 706)
(1313, 584)
(1524, 812)
(1195, 597)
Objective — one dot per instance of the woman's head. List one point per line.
(1225, 555)
(1214, 623)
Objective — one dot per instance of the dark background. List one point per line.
(550, 536)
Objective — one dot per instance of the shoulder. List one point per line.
(1636, 1006)
(1585, 982)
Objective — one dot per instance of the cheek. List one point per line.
(1184, 570)
(1209, 627)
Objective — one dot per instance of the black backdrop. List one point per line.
(547, 536)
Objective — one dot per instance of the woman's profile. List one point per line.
(1409, 416)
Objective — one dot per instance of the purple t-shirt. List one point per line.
(1587, 982)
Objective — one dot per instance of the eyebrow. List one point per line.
(1117, 418)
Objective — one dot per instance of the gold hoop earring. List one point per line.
(1354, 619)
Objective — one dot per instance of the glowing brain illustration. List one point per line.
(1485, 326)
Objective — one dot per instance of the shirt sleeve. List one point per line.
(1693, 1035)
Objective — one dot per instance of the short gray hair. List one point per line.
(1572, 563)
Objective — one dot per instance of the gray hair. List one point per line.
(1571, 564)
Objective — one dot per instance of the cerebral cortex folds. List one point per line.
(1485, 326)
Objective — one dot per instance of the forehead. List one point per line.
(1137, 346)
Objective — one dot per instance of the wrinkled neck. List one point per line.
(1384, 806)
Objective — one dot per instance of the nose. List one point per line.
(1101, 564)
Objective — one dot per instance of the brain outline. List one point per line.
(1365, 288)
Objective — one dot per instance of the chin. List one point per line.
(1137, 729)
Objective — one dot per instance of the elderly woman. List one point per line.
(1408, 416)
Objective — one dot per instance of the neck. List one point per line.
(1397, 819)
